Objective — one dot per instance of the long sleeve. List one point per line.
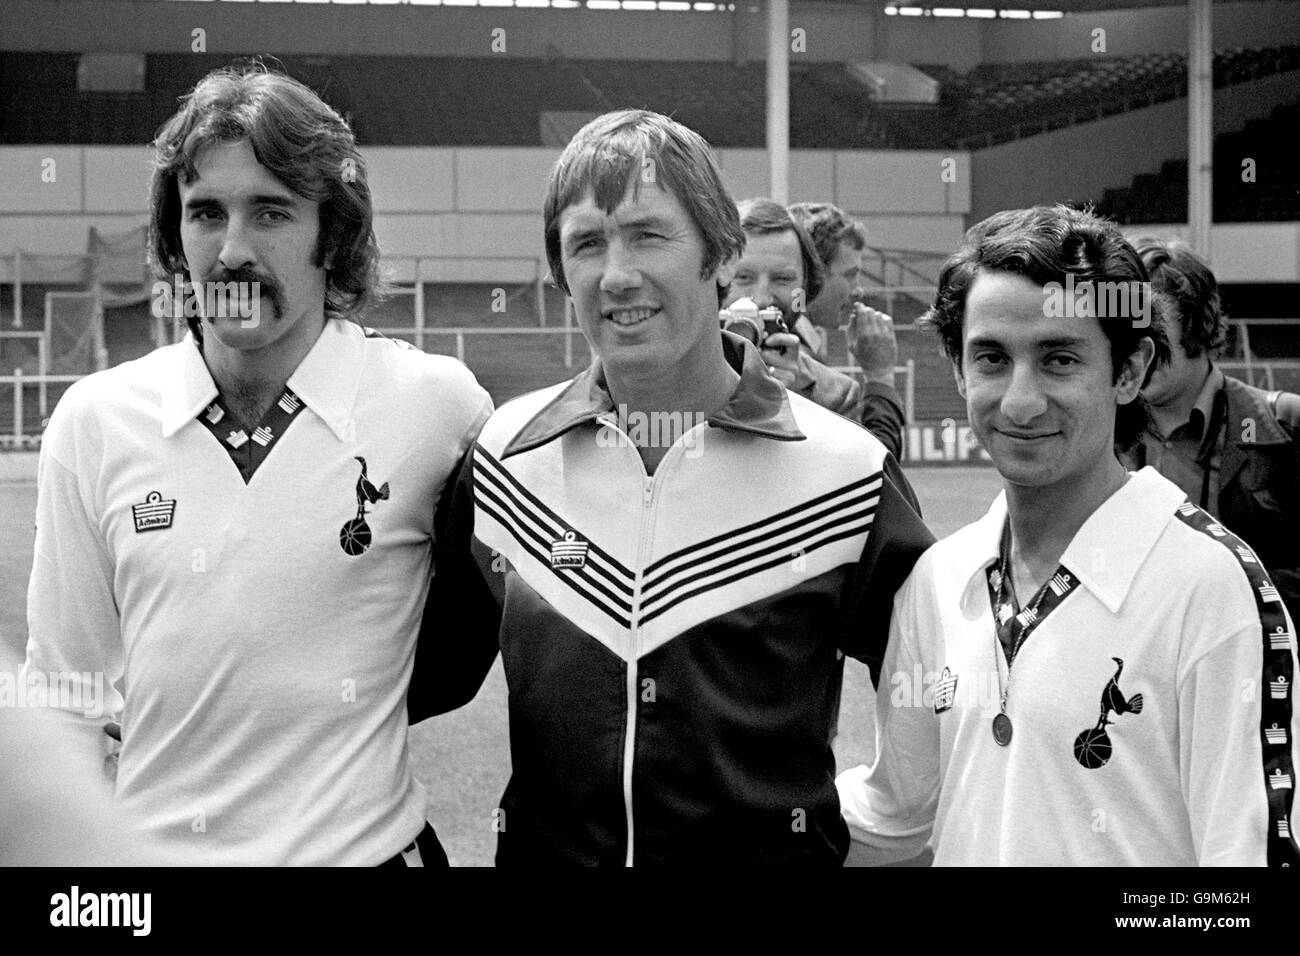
(828, 388)
(1219, 717)
(890, 807)
(74, 645)
(898, 538)
(462, 616)
(882, 415)
(1284, 570)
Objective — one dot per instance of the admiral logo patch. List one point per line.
(154, 514)
(1277, 688)
(569, 552)
(1280, 639)
(944, 691)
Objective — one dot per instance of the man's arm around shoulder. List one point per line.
(897, 540)
(458, 638)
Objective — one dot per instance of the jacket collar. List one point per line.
(1244, 404)
(1204, 406)
(1105, 554)
(759, 405)
(326, 379)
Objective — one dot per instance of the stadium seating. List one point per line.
(1273, 195)
(498, 101)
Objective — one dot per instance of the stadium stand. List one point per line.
(1272, 195)
(497, 101)
(995, 103)
(503, 102)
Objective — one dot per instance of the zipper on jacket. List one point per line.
(629, 739)
(648, 488)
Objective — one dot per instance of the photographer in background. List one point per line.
(1233, 449)
(780, 267)
(839, 242)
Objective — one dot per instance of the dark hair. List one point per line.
(303, 143)
(1185, 277)
(638, 147)
(761, 216)
(1044, 244)
(829, 227)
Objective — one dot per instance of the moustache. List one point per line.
(245, 276)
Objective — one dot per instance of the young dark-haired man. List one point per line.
(1096, 672)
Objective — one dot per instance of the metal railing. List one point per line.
(419, 275)
(19, 438)
(909, 390)
(1249, 362)
(407, 274)
(461, 334)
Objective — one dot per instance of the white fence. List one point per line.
(24, 388)
(20, 385)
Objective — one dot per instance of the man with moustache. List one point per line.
(672, 611)
(1108, 672)
(237, 527)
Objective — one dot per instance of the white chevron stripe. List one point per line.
(547, 527)
(508, 523)
(746, 585)
(694, 556)
(786, 554)
(793, 540)
(530, 517)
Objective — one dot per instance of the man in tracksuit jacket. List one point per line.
(672, 552)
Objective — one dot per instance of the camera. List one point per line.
(744, 318)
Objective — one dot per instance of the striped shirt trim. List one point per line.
(782, 558)
(497, 499)
(618, 575)
(659, 571)
(247, 455)
(574, 578)
(803, 534)
(1278, 681)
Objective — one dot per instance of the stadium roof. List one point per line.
(1066, 6)
(986, 8)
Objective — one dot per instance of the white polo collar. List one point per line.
(326, 380)
(1105, 554)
